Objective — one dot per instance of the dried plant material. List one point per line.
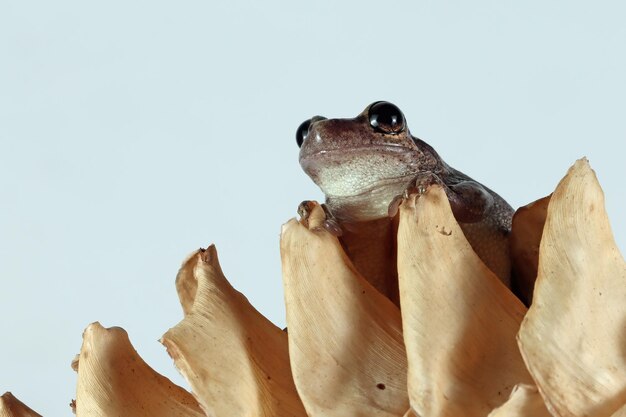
(345, 354)
(12, 407)
(345, 338)
(187, 282)
(236, 361)
(525, 401)
(620, 413)
(459, 320)
(114, 381)
(573, 337)
(524, 241)
(371, 247)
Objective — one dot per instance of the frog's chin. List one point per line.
(353, 172)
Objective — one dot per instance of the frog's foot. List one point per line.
(469, 200)
(330, 224)
(417, 186)
(304, 210)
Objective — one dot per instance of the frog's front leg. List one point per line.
(469, 200)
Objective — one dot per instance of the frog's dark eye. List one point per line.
(386, 117)
(302, 132)
(303, 129)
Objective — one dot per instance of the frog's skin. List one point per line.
(363, 164)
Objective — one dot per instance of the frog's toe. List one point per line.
(417, 186)
(331, 224)
(394, 206)
(333, 227)
(318, 221)
(305, 208)
(424, 180)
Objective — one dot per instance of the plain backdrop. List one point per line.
(132, 133)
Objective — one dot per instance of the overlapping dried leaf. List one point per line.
(525, 401)
(573, 338)
(114, 381)
(524, 242)
(12, 407)
(235, 360)
(345, 353)
(459, 320)
(345, 338)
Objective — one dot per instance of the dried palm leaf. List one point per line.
(12, 407)
(235, 360)
(524, 241)
(345, 338)
(459, 320)
(573, 338)
(525, 401)
(114, 381)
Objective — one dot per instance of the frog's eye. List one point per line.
(303, 129)
(302, 132)
(386, 117)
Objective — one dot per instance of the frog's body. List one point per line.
(363, 164)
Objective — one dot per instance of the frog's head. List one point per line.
(371, 156)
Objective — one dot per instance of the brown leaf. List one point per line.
(525, 401)
(524, 241)
(459, 319)
(235, 360)
(12, 407)
(114, 381)
(573, 338)
(345, 338)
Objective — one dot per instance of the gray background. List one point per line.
(132, 133)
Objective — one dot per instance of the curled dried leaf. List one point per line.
(113, 380)
(236, 360)
(573, 336)
(459, 319)
(345, 338)
(187, 282)
(12, 407)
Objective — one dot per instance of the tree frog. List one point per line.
(364, 165)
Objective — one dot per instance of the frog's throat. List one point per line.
(369, 204)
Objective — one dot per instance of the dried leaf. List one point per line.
(371, 247)
(235, 360)
(620, 413)
(12, 407)
(114, 381)
(524, 241)
(345, 338)
(525, 401)
(573, 337)
(459, 320)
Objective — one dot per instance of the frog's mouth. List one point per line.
(360, 171)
